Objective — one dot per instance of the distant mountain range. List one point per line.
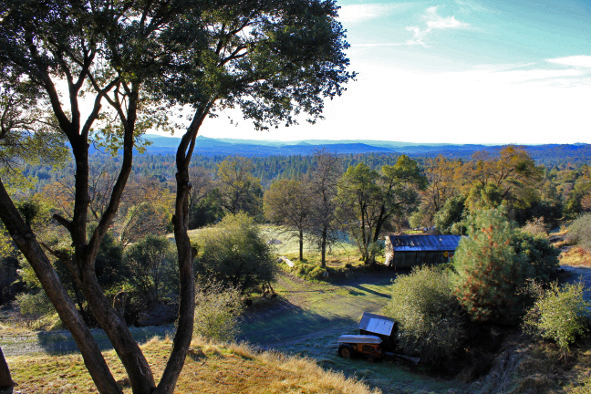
(252, 148)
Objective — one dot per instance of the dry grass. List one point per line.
(209, 368)
(576, 257)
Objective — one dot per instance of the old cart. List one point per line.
(366, 345)
(377, 340)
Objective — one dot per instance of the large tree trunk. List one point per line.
(28, 245)
(186, 254)
(5, 379)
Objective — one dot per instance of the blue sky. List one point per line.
(458, 71)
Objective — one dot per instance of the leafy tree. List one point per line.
(510, 178)
(490, 273)
(207, 211)
(444, 182)
(449, 220)
(143, 220)
(239, 190)
(431, 322)
(288, 202)
(151, 267)
(560, 313)
(275, 60)
(204, 206)
(371, 199)
(234, 254)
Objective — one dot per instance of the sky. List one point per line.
(455, 71)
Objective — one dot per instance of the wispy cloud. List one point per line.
(469, 6)
(433, 21)
(357, 13)
(580, 61)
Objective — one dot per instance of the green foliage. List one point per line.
(308, 271)
(489, 196)
(234, 253)
(579, 231)
(560, 314)
(537, 251)
(430, 319)
(449, 219)
(238, 189)
(217, 309)
(370, 200)
(489, 271)
(35, 303)
(152, 267)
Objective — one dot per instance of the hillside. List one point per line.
(209, 368)
(548, 154)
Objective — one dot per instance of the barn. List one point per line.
(406, 251)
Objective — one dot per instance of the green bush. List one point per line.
(308, 271)
(559, 314)
(579, 232)
(217, 309)
(152, 267)
(234, 253)
(538, 253)
(490, 274)
(37, 304)
(429, 317)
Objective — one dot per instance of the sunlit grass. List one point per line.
(209, 368)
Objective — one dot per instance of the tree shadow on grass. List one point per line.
(60, 342)
(284, 322)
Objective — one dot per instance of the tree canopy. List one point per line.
(274, 60)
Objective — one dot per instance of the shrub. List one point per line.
(308, 271)
(489, 271)
(217, 309)
(234, 253)
(579, 232)
(560, 314)
(538, 253)
(429, 316)
(152, 268)
(37, 304)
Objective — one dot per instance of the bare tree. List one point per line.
(323, 188)
(288, 202)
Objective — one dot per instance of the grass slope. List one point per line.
(209, 368)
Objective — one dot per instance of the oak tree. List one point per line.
(273, 59)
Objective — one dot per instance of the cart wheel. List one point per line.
(344, 351)
(371, 359)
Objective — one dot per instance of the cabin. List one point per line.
(407, 251)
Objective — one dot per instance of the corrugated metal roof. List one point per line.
(424, 243)
(376, 324)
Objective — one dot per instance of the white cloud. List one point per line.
(472, 6)
(582, 61)
(357, 13)
(433, 21)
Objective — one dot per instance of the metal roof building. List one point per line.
(405, 251)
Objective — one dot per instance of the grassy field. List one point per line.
(209, 368)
